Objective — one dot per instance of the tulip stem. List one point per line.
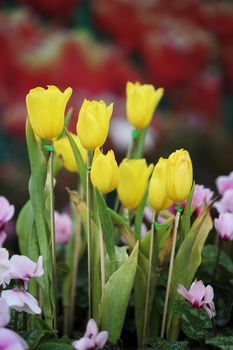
(177, 219)
(52, 228)
(88, 199)
(102, 266)
(146, 311)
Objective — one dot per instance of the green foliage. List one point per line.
(185, 221)
(116, 296)
(161, 344)
(186, 263)
(24, 226)
(220, 342)
(210, 253)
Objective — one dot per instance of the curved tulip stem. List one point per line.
(88, 199)
(102, 266)
(52, 232)
(146, 311)
(177, 219)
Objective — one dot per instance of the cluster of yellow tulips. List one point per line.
(171, 179)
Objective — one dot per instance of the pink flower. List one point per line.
(63, 225)
(6, 213)
(199, 296)
(224, 226)
(224, 183)
(92, 339)
(4, 313)
(226, 203)
(20, 300)
(21, 267)
(201, 195)
(4, 267)
(10, 340)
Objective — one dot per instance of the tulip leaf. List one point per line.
(36, 189)
(128, 234)
(186, 263)
(185, 220)
(107, 226)
(24, 226)
(116, 296)
(78, 158)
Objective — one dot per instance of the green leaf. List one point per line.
(24, 226)
(161, 344)
(55, 346)
(186, 216)
(223, 296)
(78, 158)
(220, 342)
(116, 296)
(107, 226)
(186, 263)
(121, 257)
(126, 231)
(38, 166)
(210, 253)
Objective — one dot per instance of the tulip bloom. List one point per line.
(63, 226)
(224, 183)
(179, 175)
(4, 267)
(224, 226)
(226, 203)
(104, 171)
(4, 313)
(158, 197)
(93, 123)
(23, 268)
(92, 339)
(199, 296)
(141, 102)
(10, 340)
(20, 300)
(133, 178)
(6, 212)
(64, 150)
(46, 109)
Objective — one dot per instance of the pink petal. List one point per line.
(197, 291)
(210, 309)
(91, 329)
(83, 344)
(12, 298)
(4, 313)
(101, 339)
(3, 237)
(224, 183)
(10, 340)
(30, 302)
(183, 291)
(24, 268)
(209, 294)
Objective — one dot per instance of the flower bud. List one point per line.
(46, 109)
(141, 102)
(93, 123)
(133, 178)
(158, 197)
(104, 171)
(64, 150)
(179, 175)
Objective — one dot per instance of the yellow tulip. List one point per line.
(104, 171)
(180, 175)
(64, 150)
(158, 196)
(141, 102)
(93, 123)
(46, 109)
(133, 178)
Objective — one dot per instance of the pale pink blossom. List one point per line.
(23, 268)
(224, 226)
(20, 300)
(4, 267)
(199, 296)
(6, 212)
(10, 340)
(92, 339)
(226, 203)
(63, 226)
(224, 183)
(4, 313)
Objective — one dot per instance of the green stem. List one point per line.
(88, 199)
(102, 266)
(146, 311)
(53, 244)
(15, 324)
(217, 259)
(77, 244)
(177, 219)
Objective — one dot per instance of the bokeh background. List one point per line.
(96, 46)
